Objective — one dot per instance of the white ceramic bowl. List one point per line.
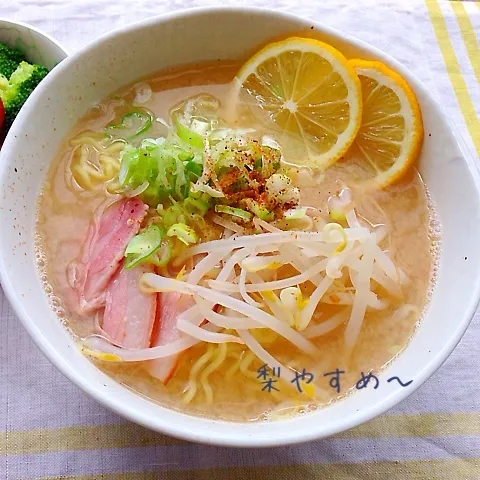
(147, 47)
(37, 46)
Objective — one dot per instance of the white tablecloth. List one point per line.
(49, 428)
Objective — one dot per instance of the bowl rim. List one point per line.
(197, 433)
(36, 30)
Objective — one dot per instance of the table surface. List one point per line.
(50, 429)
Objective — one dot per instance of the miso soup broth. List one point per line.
(127, 224)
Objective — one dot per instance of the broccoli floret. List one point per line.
(21, 84)
(10, 59)
(3, 82)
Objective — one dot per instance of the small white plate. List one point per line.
(38, 47)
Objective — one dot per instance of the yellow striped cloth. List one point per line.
(454, 41)
(49, 429)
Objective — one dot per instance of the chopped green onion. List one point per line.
(132, 125)
(196, 206)
(258, 210)
(186, 134)
(236, 212)
(166, 165)
(172, 215)
(205, 188)
(194, 168)
(142, 246)
(183, 232)
(162, 256)
(150, 144)
(185, 156)
(195, 118)
(295, 213)
(138, 167)
(255, 150)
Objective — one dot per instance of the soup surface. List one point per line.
(228, 382)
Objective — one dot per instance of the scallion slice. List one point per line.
(235, 212)
(143, 245)
(132, 125)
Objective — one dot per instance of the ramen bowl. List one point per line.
(142, 49)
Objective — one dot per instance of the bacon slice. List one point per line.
(104, 250)
(129, 313)
(170, 306)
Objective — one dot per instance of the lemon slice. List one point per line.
(391, 134)
(308, 93)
